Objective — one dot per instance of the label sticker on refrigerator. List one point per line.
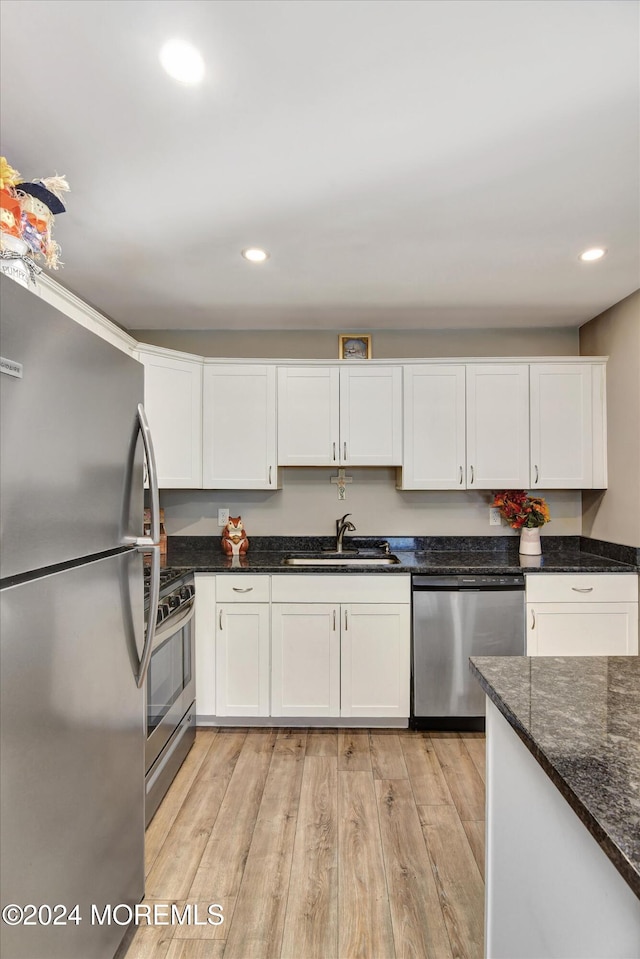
(11, 367)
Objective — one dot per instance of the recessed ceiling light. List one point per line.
(594, 254)
(255, 255)
(182, 61)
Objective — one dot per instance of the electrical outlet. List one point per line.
(223, 517)
(495, 519)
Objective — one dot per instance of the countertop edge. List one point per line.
(599, 833)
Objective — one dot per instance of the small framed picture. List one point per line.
(354, 346)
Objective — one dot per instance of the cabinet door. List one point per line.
(308, 416)
(239, 427)
(582, 629)
(173, 402)
(371, 416)
(242, 659)
(498, 426)
(561, 426)
(305, 667)
(205, 627)
(375, 676)
(434, 427)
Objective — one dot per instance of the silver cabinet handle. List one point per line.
(242, 589)
(334, 620)
(270, 476)
(220, 619)
(346, 621)
(537, 473)
(461, 475)
(334, 452)
(582, 589)
(345, 451)
(471, 469)
(154, 596)
(154, 538)
(533, 619)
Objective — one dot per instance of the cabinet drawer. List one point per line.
(242, 589)
(582, 588)
(341, 589)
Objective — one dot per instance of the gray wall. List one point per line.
(386, 344)
(308, 504)
(614, 514)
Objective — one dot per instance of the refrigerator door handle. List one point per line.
(154, 596)
(154, 495)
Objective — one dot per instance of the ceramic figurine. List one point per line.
(234, 539)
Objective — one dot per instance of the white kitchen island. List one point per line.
(563, 807)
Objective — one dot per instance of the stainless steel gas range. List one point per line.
(170, 686)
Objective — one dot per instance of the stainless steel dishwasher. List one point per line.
(455, 617)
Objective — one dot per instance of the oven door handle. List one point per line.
(154, 596)
(172, 626)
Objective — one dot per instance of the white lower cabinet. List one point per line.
(588, 614)
(305, 659)
(242, 645)
(242, 659)
(205, 618)
(337, 656)
(375, 655)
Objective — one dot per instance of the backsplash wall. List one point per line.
(308, 504)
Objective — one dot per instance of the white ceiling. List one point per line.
(411, 164)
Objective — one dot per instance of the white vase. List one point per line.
(530, 541)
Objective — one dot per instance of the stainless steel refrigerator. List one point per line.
(73, 642)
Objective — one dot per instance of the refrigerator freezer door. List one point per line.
(69, 425)
(72, 728)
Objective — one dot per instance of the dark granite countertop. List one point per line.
(462, 555)
(580, 718)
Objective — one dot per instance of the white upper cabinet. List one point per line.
(173, 402)
(308, 416)
(239, 427)
(497, 426)
(434, 427)
(329, 416)
(371, 416)
(562, 426)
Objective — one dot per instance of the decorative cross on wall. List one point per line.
(340, 481)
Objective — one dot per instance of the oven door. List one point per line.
(170, 681)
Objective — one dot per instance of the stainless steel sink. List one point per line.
(340, 559)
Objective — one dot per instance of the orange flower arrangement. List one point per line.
(521, 510)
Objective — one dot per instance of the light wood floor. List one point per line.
(321, 844)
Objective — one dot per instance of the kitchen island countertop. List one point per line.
(579, 717)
